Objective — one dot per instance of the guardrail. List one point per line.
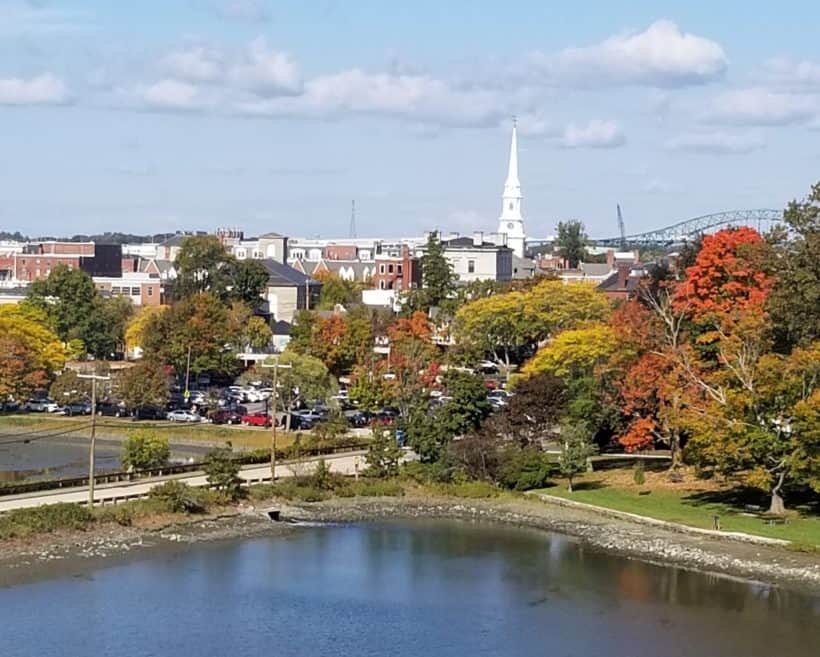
(182, 468)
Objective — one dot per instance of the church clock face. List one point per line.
(510, 225)
(511, 205)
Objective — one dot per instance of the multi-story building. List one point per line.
(474, 259)
(396, 269)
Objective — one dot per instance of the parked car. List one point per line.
(146, 413)
(41, 406)
(224, 416)
(111, 409)
(357, 419)
(10, 405)
(183, 416)
(300, 422)
(78, 408)
(260, 419)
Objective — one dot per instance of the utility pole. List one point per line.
(351, 232)
(188, 376)
(275, 365)
(94, 378)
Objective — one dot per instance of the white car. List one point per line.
(184, 416)
(41, 406)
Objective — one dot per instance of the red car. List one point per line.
(260, 419)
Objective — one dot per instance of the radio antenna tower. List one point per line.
(621, 227)
(351, 232)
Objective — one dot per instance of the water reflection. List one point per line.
(436, 588)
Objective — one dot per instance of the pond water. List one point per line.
(403, 589)
(49, 459)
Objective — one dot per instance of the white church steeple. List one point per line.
(511, 223)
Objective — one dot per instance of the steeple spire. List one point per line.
(511, 223)
(512, 187)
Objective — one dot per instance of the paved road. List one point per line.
(347, 464)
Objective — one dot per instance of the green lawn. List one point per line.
(694, 510)
(112, 427)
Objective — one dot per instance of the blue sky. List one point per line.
(272, 115)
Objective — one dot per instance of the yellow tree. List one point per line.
(135, 330)
(553, 306)
(573, 351)
(30, 352)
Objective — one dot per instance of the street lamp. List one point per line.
(276, 365)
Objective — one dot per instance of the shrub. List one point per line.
(638, 475)
(222, 472)
(43, 519)
(175, 497)
(371, 488)
(144, 449)
(323, 478)
(383, 454)
(426, 473)
(468, 489)
(291, 490)
(524, 468)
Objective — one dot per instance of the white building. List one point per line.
(511, 222)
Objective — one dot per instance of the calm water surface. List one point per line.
(404, 589)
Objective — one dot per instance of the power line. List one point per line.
(32, 437)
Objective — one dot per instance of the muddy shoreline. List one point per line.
(78, 554)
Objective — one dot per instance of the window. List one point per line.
(398, 269)
(135, 291)
(389, 269)
(471, 266)
(150, 290)
(115, 290)
(381, 269)
(381, 284)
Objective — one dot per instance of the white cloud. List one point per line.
(244, 10)
(715, 143)
(786, 73)
(595, 134)
(172, 94)
(755, 106)
(266, 71)
(417, 97)
(44, 89)
(660, 56)
(195, 64)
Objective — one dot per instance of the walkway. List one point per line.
(347, 464)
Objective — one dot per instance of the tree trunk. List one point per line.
(777, 505)
(569, 484)
(674, 448)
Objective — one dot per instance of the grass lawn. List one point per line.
(112, 427)
(690, 502)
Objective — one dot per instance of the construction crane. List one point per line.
(621, 227)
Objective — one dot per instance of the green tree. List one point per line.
(300, 378)
(68, 388)
(794, 302)
(250, 280)
(144, 384)
(573, 352)
(468, 405)
(222, 472)
(572, 241)
(576, 448)
(383, 454)
(76, 311)
(144, 449)
(203, 265)
(336, 290)
(437, 276)
(200, 323)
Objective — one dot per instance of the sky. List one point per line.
(272, 115)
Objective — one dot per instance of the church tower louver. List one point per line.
(511, 223)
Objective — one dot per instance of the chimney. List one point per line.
(610, 258)
(478, 237)
(623, 274)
